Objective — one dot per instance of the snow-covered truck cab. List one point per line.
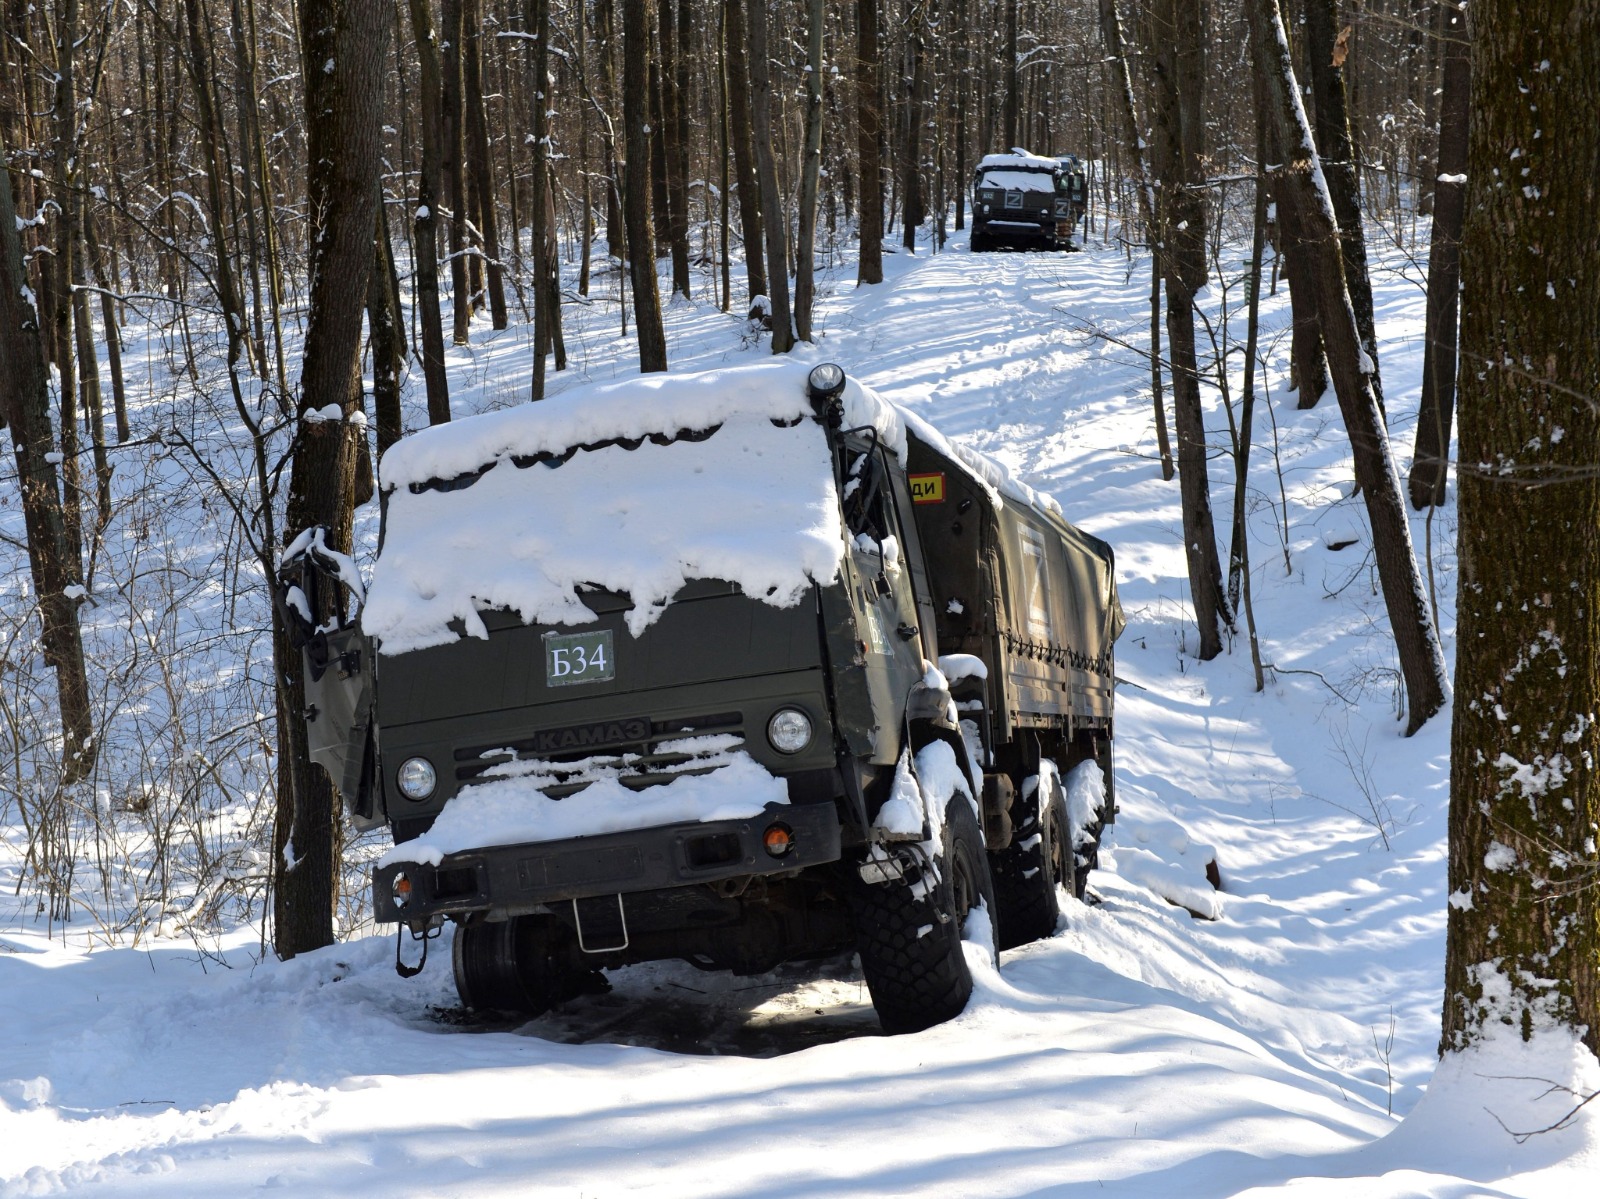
(648, 671)
(1022, 201)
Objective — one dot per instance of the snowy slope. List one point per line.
(1140, 1052)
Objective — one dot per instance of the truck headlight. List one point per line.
(789, 730)
(416, 778)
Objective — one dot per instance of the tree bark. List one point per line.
(1144, 189)
(744, 154)
(674, 141)
(766, 166)
(387, 332)
(479, 164)
(425, 222)
(1416, 642)
(1181, 221)
(810, 170)
(451, 119)
(25, 409)
(869, 124)
(1523, 942)
(1337, 155)
(344, 141)
(1430, 461)
(636, 198)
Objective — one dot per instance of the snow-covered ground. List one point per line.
(1286, 1046)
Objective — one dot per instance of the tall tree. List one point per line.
(1133, 144)
(767, 168)
(25, 408)
(869, 119)
(636, 190)
(1326, 50)
(1177, 38)
(810, 172)
(1416, 641)
(425, 221)
(344, 114)
(1430, 460)
(747, 183)
(1523, 941)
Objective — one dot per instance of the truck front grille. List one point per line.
(637, 752)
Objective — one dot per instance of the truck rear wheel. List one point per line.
(523, 965)
(1039, 858)
(909, 930)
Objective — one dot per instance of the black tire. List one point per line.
(910, 947)
(1027, 872)
(523, 965)
(980, 243)
(1086, 842)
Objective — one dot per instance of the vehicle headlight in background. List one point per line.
(416, 778)
(789, 730)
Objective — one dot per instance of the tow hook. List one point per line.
(428, 933)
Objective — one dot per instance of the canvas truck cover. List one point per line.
(1018, 586)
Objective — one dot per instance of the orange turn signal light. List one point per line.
(778, 840)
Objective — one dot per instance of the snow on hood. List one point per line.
(753, 502)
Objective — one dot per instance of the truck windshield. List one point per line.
(751, 501)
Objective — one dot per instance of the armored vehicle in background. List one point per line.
(739, 667)
(1022, 201)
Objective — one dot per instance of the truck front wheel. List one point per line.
(524, 965)
(909, 930)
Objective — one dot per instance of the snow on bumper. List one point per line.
(505, 845)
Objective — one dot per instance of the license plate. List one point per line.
(578, 658)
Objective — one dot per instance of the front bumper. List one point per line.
(514, 879)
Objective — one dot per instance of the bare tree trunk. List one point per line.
(674, 141)
(869, 125)
(1325, 54)
(1181, 221)
(538, 24)
(771, 200)
(476, 150)
(25, 408)
(387, 332)
(811, 166)
(744, 166)
(913, 208)
(1416, 642)
(1430, 461)
(636, 197)
(451, 119)
(1133, 143)
(425, 223)
(344, 141)
(1522, 951)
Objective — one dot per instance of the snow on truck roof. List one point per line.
(714, 474)
(1019, 160)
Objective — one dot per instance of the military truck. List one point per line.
(1021, 201)
(738, 667)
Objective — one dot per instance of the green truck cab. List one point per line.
(1023, 201)
(738, 668)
